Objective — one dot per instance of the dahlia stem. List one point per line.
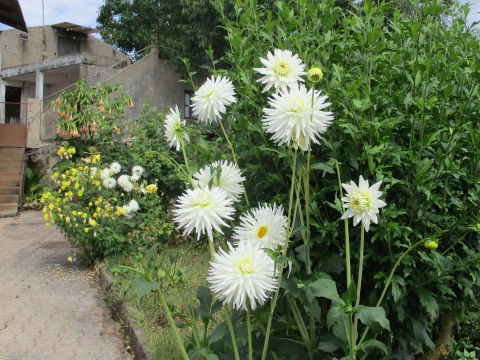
(249, 333)
(172, 324)
(347, 236)
(211, 246)
(359, 286)
(285, 248)
(232, 334)
(233, 155)
(182, 145)
(389, 281)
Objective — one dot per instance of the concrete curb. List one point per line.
(122, 314)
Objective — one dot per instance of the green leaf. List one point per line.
(218, 333)
(325, 288)
(334, 314)
(204, 296)
(145, 286)
(369, 315)
(328, 343)
(350, 295)
(373, 344)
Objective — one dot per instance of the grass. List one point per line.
(180, 270)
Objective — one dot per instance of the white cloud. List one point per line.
(474, 10)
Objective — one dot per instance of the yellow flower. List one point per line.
(55, 175)
(45, 217)
(51, 206)
(86, 230)
(152, 188)
(95, 215)
(120, 211)
(315, 74)
(431, 244)
(478, 226)
(98, 209)
(70, 194)
(74, 213)
(44, 209)
(84, 215)
(74, 171)
(71, 150)
(69, 259)
(95, 158)
(80, 192)
(67, 219)
(90, 203)
(92, 222)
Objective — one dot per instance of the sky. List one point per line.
(84, 12)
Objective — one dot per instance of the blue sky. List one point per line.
(84, 12)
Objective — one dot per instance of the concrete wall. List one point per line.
(151, 81)
(17, 52)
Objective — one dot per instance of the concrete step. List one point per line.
(9, 199)
(11, 156)
(8, 183)
(9, 190)
(10, 166)
(12, 150)
(8, 210)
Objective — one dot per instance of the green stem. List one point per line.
(284, 251)
(211, 246)
(389, 280)
(359, 282)
(193, 323)
(172, 324)
(347, 235)
(233, 155)
(232, 335)
(182, 145)
(249, 333)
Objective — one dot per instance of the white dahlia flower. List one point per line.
(282, 69)
(203, 209)
(293, 121)
(222, 174)
(212, 98)
(134, 177)
(125, 183)
(105, 173)
(133, 206)
(244, 275)
(115, 167)
(109, 182)
(175, 129)
(93, 171)
(362, 202)
(137, 170)
(264, 226)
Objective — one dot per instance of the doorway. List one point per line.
(13, 97)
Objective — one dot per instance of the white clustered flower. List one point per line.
(133, 206)
(362, 202)
(242, 277)
(203, 210)
(125, 183)
(282, 69)
(93, 171)
(105, 173)
(135, 177)
(212, 98)
(175, 129)
(222, 174)
(109, 182)
(115, 167)
(265, 226)
(137, 170)
(292, 119)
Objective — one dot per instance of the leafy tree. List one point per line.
(185, 28)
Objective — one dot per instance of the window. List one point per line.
(187, 109)
(68, 45)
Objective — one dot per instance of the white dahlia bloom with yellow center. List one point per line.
(125, 183)
(175, 129)
(212, 98)
(242, 277)
(137, 171)
(109, 182)
(222, 174)
(281, 69)
(292, 120)
(115, 167)
(265, 226)
(362, 202)
(105, 173)
(203, 210)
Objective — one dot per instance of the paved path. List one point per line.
(49, 308)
